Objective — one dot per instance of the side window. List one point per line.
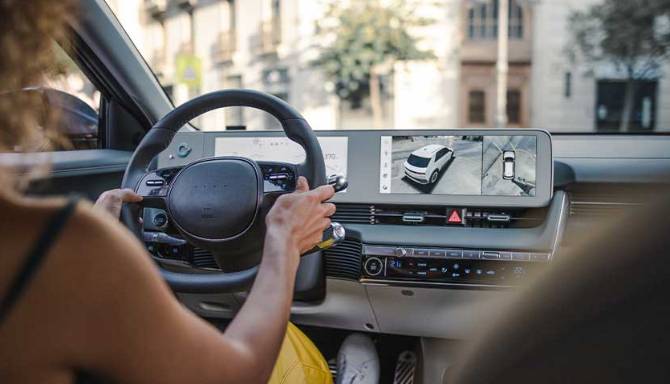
(76, 103)
(441, 153)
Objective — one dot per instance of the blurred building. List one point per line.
(197, 46)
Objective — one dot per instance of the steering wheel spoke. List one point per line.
(154, 187)
(278, 177)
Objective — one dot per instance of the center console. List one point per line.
(448, 266)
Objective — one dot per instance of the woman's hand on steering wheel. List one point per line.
(111, 201)
(301, 216)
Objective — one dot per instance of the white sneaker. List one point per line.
(357, 361)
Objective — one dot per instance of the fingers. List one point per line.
(111, 201)
(324, 192)
(120, 195)
(302, 185)
(323, 224)
(129, 196)
(315, 236)
(317, 229)
(328, 209)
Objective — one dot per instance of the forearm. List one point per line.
(259, 327)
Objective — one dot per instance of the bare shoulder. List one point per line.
(97, 244)
(97, 233)
(91, 254)
(95, 275)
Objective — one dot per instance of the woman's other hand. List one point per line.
(112, 200)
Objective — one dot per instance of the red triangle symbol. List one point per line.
(455, 217)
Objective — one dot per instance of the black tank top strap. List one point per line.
(35, 257)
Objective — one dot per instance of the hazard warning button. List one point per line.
(454, 217)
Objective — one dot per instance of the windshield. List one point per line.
(418, 161)
(561, 65)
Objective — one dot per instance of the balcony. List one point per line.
(486, 51)
(224, 48)
(269, 37)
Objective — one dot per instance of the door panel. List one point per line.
(87, 172)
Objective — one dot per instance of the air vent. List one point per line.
(344, 260)
(354, 213)
(393, 214)
(202, 258)
(607, 200)
(597, 209)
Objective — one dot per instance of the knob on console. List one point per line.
(338, 182)
(373, 266)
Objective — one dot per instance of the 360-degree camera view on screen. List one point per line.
(458, 165)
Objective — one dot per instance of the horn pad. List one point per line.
(216, 199)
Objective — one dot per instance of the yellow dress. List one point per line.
(300, 361)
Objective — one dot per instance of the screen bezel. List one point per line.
(390, 145)
(359, 148)
(364, 147)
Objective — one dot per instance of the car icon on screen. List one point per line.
(424, 165)
(508, 164)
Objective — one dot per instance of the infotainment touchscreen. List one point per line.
(459, 165)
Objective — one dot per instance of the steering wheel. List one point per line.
(219, 203)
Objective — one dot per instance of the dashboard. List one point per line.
(594, 177)
(456, 208)
(444, 221)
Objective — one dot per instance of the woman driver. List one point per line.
(79, 295)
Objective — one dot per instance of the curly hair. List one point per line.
(28, 32)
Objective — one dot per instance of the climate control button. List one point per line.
(373, 266)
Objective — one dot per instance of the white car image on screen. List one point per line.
(425, 164)
(508, 165)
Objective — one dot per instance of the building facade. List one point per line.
(197, 46)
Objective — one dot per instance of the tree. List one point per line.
(633, 35)
(363, 40)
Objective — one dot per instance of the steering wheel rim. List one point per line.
(159, 137)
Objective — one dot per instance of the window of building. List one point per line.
(483, 20)
(515, 21)
(567, 92)
(476, 107)
(226, 45)
(611, 96)
(514, 106)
